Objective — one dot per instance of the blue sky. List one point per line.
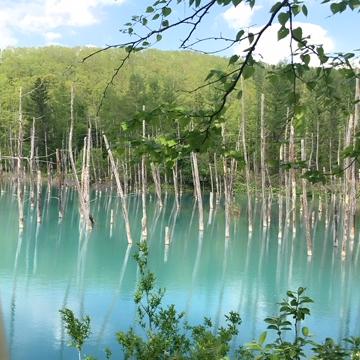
(26, 23)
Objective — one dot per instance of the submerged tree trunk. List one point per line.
(176, 184)
(31, 164)
(292, 159)
(120, 191)
(246, 160)
(353, 173)
(83, 206)
(86, 177)
(227, 189)
(262, 162)
(217, 185)
(197, 187)
(335, 221)
(211, 195)
(143, 192)
(60, 179)
(39, 199)
(306, 215)
(20, 190)
(347, 189)
(157, 182)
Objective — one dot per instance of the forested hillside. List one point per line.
(162, 84)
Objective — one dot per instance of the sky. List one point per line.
(34, 23)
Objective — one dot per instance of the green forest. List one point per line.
(162, 88)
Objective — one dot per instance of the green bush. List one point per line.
(168, 336)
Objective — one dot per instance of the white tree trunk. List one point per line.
(262, 162)
(198, 190)
(39, 199)
(144, 232)
(120, 191)
(20, 190)
(306, 216)
(83, 211)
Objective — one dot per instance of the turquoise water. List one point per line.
(54, 264)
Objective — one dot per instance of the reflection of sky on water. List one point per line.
(57, 265)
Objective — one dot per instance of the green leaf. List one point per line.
(236, 2)
(283, 18)
(338, 7)
(149, 9)
(297, 33)
(276, 7)
(283, 32)
(251, 37)
(253, 346)
(166, 11)
(239, 35)
(248, 71)
(290, 294)
(262, 337)
(233, 59)
(334, 8)
(321, 55)
(304, 10)
(158, 37)
(305, 59)
(295, 9)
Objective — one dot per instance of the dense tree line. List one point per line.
(158, 87)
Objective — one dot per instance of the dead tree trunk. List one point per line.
(39, 198)
(262, 162)
(335, 221)
(317, 144)
(83, 210)
(353, 175)
(85, 184)
(309, 242)
(292, 179)
(143, 192)
(31, 164)
(157, 182)
(227, 188)
(198, 190)
(286, 180)
(217, 185)
(60, 179)
(347, 190)
(176, 184)
(20, 190)
(246, 159)
(120, 191)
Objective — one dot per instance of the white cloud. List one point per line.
(52, 36)
(45, 16)
(272, 51)
(6, 37)
(240, 16)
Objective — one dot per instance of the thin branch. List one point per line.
(242, 67)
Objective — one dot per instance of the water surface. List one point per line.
(55, 264)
